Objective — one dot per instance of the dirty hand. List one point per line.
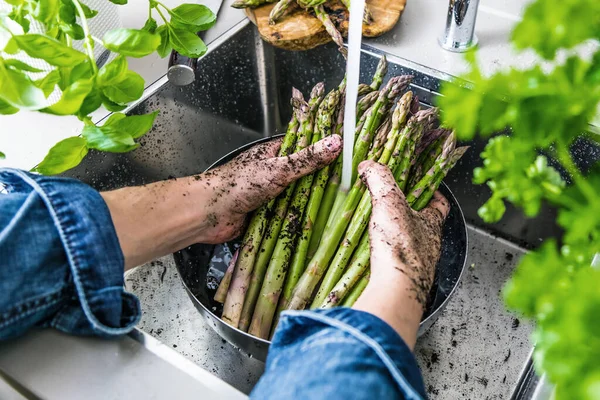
(403, 241)
(405, 247)
(251, 179)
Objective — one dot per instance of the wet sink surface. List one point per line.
(242, 90)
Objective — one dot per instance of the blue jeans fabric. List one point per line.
(61, 266)
(339, 353)
(60, 260)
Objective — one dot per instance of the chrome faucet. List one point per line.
(459, 34)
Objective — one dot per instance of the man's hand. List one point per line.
(251, 179)
(163, 217)
(405, 247)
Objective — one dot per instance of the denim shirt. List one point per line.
(61, 266)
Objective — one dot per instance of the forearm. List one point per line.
(392, 298)
(159, 218)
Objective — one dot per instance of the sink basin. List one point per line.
(241, 93)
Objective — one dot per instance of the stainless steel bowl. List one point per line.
(202, 266)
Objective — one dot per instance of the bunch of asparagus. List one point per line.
(315, 6)
(309, 247)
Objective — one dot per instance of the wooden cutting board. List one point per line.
(299, 29)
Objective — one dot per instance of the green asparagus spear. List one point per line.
(250, 3)
(357, 290)
(331, 29)
(380, 72)
(363, 104)
(278, 11)
(221, 293)
(364, 89)
(238, 285)
(427, 158)
(324, 124)
(278, 265)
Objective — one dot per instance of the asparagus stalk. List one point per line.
(363, 211)
(427, 157)
(236, 293)
(364, 89)
(357, 290)
(221, 293)
(388, 93)
(330, 189)
(266, 304)
(424, 198)
(324, 125)
(347, 283)
(380, 72)
(278, 11)
(250, 3)
(403, 167)
(331, 29)
(363, 104)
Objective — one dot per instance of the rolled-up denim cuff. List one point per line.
(368, 329)
(83, 222)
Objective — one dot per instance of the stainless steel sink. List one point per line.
(241, 93)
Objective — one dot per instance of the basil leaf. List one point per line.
(21, 19)
(48, 82)
(119, 2)
(105, 138)
(131, 42)
(114, 117)
(73, 30)
(150, 25)
(67, 12)
(2, 156)
(91, 103)
(45, 11)
(71, 99)
(20, 65)
(134, 125)
(19, 91)
(65, 155)
(165, 42)
(113, 72)
(88, 12)
(127, 90)
(195, 16)
(50, 50)
(186, 43)
(111, 105)
(7, 109)
(8, 28)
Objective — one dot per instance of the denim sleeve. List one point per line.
(339, 353)
(61, 264)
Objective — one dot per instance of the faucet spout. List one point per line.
(459, 35)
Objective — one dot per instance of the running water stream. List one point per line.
(352, 75)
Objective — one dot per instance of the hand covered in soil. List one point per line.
(251, 179)
(405, 244)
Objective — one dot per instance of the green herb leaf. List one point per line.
(134, 125)
(110, 105)
(194, 17)
(70, 75)
(91, 103)
(150, 25)
(119, 2)
(65, 155)
(114, 117)
(48, 83)
(126, 90)
(2, 156)
(7, 109)
(113, 72)
(45, 11)
(20, 18)
(88, 12)
(67, 12)
(186, 43)
(165, 41)
(20, 65)
(8, 28)
(73, 30)
(50, 50)
(19, 91)
(105, 138)
(131, 42)
(71, 99)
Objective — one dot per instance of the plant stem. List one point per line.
(87, 42)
